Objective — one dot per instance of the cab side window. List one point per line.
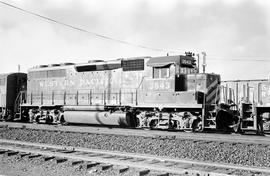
(161, 72)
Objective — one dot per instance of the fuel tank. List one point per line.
(106, 118)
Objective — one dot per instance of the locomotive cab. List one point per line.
(178, 76)
(179, 93)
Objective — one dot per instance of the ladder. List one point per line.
(20, 99)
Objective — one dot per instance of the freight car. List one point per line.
(11, 85)
(252, 98)
(153, 92)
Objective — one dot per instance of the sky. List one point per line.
(235, 34)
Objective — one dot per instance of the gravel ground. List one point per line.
(16, 166)
(235, 153)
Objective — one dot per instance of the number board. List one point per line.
(187, 61)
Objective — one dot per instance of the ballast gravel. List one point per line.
(16, 166)
(223, 152)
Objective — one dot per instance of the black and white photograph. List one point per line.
(134, 88)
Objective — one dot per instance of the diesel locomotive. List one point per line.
(10, 87)
(149, 92)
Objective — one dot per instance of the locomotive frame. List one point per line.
(151, 92)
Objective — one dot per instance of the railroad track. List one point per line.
(123, 161)
(249, 139)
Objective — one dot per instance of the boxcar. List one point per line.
(252, 98)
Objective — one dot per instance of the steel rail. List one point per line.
(178, 166)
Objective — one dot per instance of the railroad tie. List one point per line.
(47, 158)
(11, 153)
(123, 169)
(3, 151)
(73, 163)
(33, 156)
(88, 165)
(60, 160)
(144, 172)
(23, 154)
(105, 166)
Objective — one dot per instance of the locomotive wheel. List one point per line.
(153, 124)
(49, 120)
(200, 128)
(62, 120)
(37, 119)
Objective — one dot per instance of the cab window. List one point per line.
(161, 72)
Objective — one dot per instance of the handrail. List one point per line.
(141, 82)
(18, 100)
(92, 97)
